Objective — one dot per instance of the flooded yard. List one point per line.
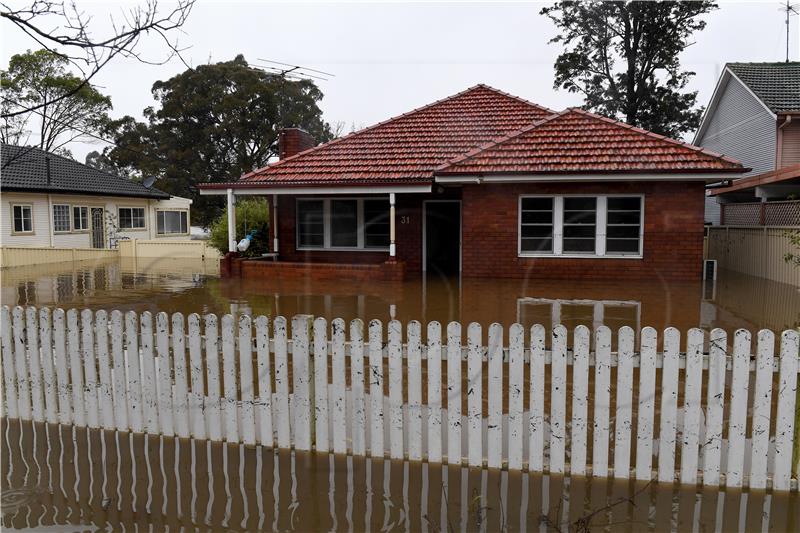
(730, 302)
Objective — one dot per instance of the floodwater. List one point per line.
(730, 302)
(58, 478)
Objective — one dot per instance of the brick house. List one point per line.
(484, 184)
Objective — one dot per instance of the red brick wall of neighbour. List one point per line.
(673, 233)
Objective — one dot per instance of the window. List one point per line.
(170, 222)
(22, 218)
(80, 218)
(343, 223)
(61, 218)
(131, 218)
(575, 226)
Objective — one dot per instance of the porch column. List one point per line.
(274, 217)
(231, 222)
(392, 250)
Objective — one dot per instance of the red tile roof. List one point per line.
(407, 148)
(483, 130)
(576, 141)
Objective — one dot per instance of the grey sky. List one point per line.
(391, 57)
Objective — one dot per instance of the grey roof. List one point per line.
(23, 168)
(775, 84)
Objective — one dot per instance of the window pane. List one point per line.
(138, 217)
(168, 222)
(310, 227)
(61, 218)
(623, 225)
(344, 223)
(625, 203)
(580, 216)
(125, 218)
(536, 231)
(537, 245)
(80, 218)
(160, 222)
(537, 204)
(630, 232)
(622, 246)
(23, 221)
(579, 245)
(376, 223)
(184, 222)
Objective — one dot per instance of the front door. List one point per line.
(442, 236)
(98, 228)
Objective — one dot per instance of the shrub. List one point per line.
(251, 214)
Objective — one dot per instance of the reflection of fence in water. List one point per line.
(270, 390)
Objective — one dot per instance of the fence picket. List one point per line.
(602, 402)
(339, 389)
(395, 389)
(434, 373)
(454, 393)
(762, 402)
(21, 366)
(516, 374)
(230, 389)
(475, 394)
(105, 388)
(321, 384)
(669, 405)
(624, 403)
(118, 360)
(164, 381)
(90, 368)
(376, 448)
(359, 427)
(647, 393)
(48, 369)
(558, 400)
(133, 372)
(414, 340)
(266, 437)
(536, 400)
(715, 405)
(282, 414)
(180, 376)
(580, 401)
(692, 410)
(737, 424)
(11, 408)
(494, 439)
(149, 391)
(196, 411)
(301, 382)
(786, 410)
(34, 364)
(212, 401)
(246, 385)
(75, 369)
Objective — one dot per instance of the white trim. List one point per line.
(601, 224)
(580, 178)
(425, 233)
(350, 189)
(326, 226)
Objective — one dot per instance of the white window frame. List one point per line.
(600, 227)
(327, 227)
(88, 219)
(69, 219)
(13, 226)
(166, 210)
(135, 228)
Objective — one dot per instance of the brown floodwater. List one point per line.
(732, 301)
(62, 478)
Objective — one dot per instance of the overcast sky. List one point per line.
(391, 57)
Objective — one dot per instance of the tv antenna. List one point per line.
(790, 9)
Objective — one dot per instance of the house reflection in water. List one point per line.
(731, 302)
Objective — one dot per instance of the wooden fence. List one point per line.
(274, 386)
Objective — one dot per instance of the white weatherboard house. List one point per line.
(51, 201)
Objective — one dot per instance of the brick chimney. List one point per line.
(292, 141)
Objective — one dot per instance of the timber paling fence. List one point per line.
(284, 388)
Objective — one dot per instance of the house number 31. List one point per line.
(405, 219)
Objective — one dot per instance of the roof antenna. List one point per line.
(790, 10)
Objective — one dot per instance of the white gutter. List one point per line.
(579, 178)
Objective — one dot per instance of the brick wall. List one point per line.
(673, 233)
(292, 141)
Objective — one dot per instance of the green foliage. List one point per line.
(793, 258)
(40, 79)
(251, 214)
(623, 58)
(214, 123)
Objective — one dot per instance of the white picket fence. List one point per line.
(78, 368)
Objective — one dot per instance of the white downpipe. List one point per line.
(274, 216)
(392, 248)
(231, 222)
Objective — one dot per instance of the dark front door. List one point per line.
(98, 228)
(443, 237)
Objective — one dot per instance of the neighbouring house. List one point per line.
(56, 202)
(754, 117)
(484, 184)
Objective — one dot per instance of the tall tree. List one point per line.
(623, 56)
(214, 123)
(39, 81)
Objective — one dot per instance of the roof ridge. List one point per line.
(391, 119)
(499, 140)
